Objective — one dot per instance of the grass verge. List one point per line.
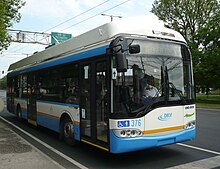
(208, 101)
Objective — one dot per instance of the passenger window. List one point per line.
(59, 84)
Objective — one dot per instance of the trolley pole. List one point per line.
(111, 16)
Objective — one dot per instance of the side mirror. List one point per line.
(134, 49)
(121, 62)
(118, 47)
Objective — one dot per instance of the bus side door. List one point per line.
(10, 95)
(94, 103)
(31, 100)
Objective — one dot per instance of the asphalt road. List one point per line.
(174, 156)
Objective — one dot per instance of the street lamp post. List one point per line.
(111, 16)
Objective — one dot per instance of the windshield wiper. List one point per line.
(178, 92)
(143, 110)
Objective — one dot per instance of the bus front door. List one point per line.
(31, 101)
(94, 103)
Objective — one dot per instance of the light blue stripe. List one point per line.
(76, 132)
(121, 145)
(48, 122)
(24, 114)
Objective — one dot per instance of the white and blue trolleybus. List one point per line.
(119, 87)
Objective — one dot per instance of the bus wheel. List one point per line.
(18, 114)
(67, 131)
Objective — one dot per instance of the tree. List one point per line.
(8, 15)
(3, 83)
(209, 66)
(198, 22)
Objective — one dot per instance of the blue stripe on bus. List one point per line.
(76, 132)
(48, 122)
(58, 103)
(121, 145)
(63, 60)
(54, 124)
(24, 113)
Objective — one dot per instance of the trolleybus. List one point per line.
(119, 87)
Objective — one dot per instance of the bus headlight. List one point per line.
(190, 124)
(128, 133)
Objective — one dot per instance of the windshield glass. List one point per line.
(160, 74)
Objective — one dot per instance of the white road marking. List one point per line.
(47, 146)
(207, 163)
(198, 148)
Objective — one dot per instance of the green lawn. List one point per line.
(210, 101)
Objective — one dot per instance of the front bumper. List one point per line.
(122, 145)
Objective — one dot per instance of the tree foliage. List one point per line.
(3, 83)
(198, 21)
(208, 68)
(8, 15)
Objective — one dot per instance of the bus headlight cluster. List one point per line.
(190, 124)
(128, 133)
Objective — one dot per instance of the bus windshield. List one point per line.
(159, 75)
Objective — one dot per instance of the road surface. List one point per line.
(204, 152)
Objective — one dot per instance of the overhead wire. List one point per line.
(97, 14)
(14, 54)
(21, 48)
(90, 9)
(84, 19)
(77, 16)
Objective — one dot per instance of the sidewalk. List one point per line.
(17, 153)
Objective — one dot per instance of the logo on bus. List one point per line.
(124, 123)
(165, 117)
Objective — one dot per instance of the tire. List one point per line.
(67, 131)
(19, 114)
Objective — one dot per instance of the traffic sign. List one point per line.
(57, 37)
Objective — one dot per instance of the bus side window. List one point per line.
(59, 85)
(24, 86)
(71, 94)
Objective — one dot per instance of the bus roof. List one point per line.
(96, 37)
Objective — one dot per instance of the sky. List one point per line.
(79, 16)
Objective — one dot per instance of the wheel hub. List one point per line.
(68, 130)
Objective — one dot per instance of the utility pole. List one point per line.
(111, 16)
(22, 36)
